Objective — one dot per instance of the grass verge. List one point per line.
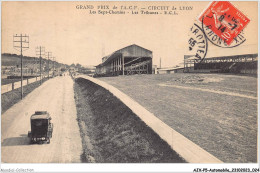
(12, 97)
(112, 133)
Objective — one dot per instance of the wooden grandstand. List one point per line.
(246, 63)
(130, 60)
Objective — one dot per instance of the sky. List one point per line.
(75, 36)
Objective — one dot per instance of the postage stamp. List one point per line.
(225, 20)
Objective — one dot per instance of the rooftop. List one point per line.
(40, 115)
(107, 58)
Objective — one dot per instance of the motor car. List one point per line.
(41, 127)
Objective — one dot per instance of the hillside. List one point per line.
(14, 60)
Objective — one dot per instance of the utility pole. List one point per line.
(49, 56)
(21, 43)
(40, 50)
(160, 62)
(53, 66)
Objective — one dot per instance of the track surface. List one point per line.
(217, 112)
(57, 97)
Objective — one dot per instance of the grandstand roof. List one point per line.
(131, 50)
(234, 56)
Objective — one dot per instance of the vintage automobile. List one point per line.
(41, 127)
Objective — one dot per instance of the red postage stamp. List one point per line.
(224, 20)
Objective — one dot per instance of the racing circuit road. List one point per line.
(57, 97)
(217, 112)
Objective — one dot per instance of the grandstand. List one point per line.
(244, 64)
(130, 60)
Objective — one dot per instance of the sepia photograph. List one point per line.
(99, 83)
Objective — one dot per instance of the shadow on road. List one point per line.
(15, 141)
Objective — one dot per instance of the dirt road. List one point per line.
(57, 97)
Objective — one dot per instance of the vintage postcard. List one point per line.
(130, 82)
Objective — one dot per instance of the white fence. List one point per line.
(9, 87)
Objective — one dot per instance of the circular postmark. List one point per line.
(198, 44)
(220, 42)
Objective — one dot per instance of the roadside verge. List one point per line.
(8, 99)
(112, 133)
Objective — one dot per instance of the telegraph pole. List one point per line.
(53, 66)
(49, 56)
(40, 51)
(21, 43)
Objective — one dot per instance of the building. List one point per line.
(155, 69)
(246, 64)
(130, 60)
(170, 70)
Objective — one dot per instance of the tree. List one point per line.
(78, 65)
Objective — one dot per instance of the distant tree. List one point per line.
(78, 65)
(6, 54)
(14, 55)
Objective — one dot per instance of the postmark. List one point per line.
(223, 24)
(198, 44)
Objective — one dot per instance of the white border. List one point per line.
(131, 167)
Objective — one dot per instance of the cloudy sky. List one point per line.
(75, 36)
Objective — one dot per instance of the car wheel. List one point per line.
(29, 134)
(31, 141)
